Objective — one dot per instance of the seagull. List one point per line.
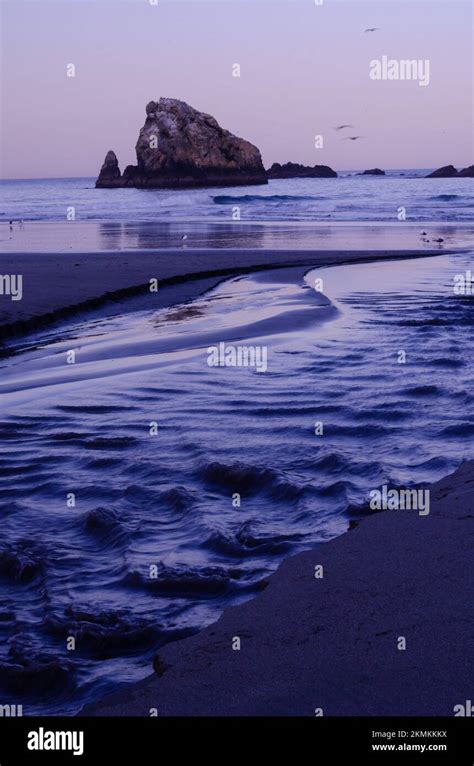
(372, 29)
(423, 233)
(341, 127)
(439, 240)
(352, 138)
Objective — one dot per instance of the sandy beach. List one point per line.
(329, 645)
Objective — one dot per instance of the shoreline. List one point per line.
(218, 234)
(394, 574)
(64, 285)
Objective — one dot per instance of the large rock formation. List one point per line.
(448, 171)
(294, 170)
(467, 172)
(179, 147)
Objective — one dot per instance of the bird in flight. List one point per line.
(352, 138)
(372, 29)
(341, 127)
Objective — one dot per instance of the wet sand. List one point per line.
(57, 286)
(94, 236)
(331, 644)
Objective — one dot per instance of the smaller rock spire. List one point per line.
(110, 172)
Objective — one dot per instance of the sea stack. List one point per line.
(448, 171)
(374, 172)
(110, 172)
(295, 170)
(467, 172)
(180, 147)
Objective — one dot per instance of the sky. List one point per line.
(304, 69)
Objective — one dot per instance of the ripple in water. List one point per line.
(163, 504)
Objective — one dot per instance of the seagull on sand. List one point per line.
(341, 127)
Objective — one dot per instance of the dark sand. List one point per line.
(331, 643)
(60, 285)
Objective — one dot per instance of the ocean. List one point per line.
(349, 198)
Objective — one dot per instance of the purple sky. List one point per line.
(304, 69)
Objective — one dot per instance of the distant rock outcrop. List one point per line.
(179, 147)
(467, 172)
(448, 171)
(374, 172)
(294, 170)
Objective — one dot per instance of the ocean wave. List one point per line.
(360, 432)
(433, 463)
(336, 463)
(177, 498)
(225, 199)
(448, 197)
(458, 429)
(382, 413)
(251, 479)
(42, 677)
(24, 470)
(93, 409)
(22, 561)
(426, 323)
(204, 582)
(333, 462)
(102, 463)
(105, 524)
(276, 411)
(334, 489)
(244, 542)
(103, 633)
(448, 362)
(98, 443)
(424, 390)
